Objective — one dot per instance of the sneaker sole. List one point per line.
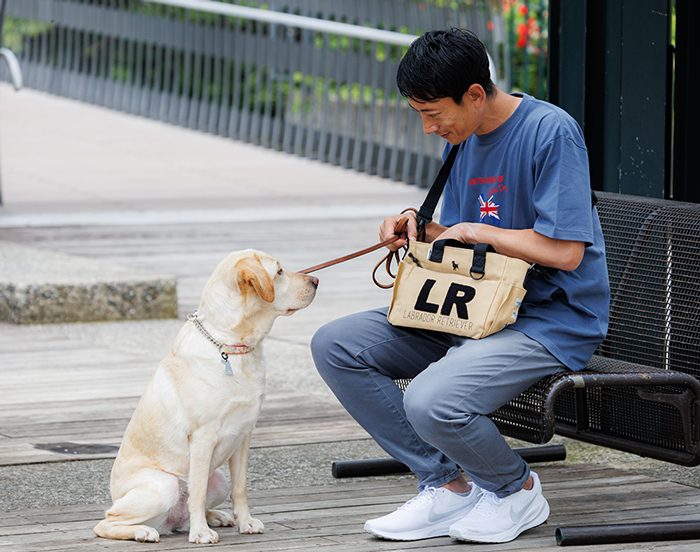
(536, 519)
(418, 534)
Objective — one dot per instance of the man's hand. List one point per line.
(464, 232)
(388, 230)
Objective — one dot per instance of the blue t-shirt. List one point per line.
(532, 172)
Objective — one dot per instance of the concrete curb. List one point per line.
(41, 287)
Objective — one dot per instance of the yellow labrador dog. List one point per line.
(200, 407)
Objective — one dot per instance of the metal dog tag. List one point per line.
(227, 364)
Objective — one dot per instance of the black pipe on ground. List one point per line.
(386, 466)
(631, 532)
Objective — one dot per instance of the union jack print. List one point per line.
(487, 208)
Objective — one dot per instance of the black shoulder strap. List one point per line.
(425, 213)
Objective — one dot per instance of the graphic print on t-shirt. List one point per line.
(487, 208)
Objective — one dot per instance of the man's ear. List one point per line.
(476, 94)
(252, 273)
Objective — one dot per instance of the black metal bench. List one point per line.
(640, 393)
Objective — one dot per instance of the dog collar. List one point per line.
(236, 349)
(223, 348)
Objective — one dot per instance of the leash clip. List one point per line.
(422, 222)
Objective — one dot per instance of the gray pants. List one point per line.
(440, 424)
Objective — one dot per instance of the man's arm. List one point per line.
(527, 244)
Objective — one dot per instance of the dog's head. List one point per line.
(253, 284)
(260, 276)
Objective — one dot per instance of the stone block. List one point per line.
(45, 287)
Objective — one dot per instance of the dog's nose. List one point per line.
(314, 281)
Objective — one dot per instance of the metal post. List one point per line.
(567, 57)
(608, 70)
(686, 161)
(12, 65)
(634, 110)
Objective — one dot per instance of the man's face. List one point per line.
(455, 123)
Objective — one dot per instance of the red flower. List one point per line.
(523, 9)
(522, 30)
(522, 41)
(490, 26)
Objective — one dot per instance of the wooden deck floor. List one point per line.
(332, 517)
(63, 391)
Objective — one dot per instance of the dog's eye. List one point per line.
(280, 272)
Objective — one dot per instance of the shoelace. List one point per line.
(426, 495)
(488, 504)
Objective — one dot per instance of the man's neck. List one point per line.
(498, 110)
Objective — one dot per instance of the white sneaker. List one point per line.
(496, 519)
(430, 514)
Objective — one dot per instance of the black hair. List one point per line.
(444, 64)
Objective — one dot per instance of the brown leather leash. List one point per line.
(400, 227)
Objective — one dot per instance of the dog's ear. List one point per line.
(251, 272)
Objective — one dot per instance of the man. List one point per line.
(520, 182)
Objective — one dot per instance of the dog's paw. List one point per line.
(143, 533)
(217, 518)
(203, 536)
(250, 525)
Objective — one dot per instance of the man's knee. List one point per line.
(430, 410)
(323, 343)
(333, 346)
(340, 342)
(421, 404)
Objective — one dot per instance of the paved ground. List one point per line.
(66, 164)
